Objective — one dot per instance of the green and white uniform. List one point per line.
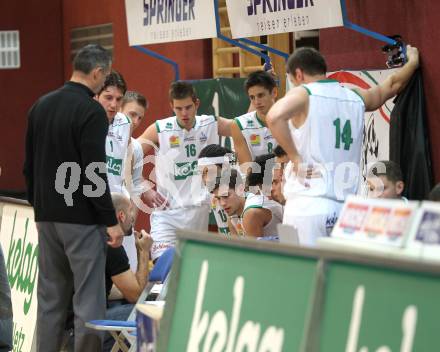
(116, 147)
(220, 218)
(116, 151)
(179, 181)
(138, 157)
(330, 140)
(258, 137)
(260, 202)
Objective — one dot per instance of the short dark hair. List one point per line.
(90, 57)
(279, 151)
(231, 177)
(180, 90)
(214, 150)
(434, 195)
(266, 163)
(307, 59)
(390, 169)
(260, 78)
(114, 79)
(130, 96)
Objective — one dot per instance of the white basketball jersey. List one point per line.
(220, 217)
(137, 166)
(177, 173)
(331, 140)
(262, 202)
(258, 137)
(116, 151)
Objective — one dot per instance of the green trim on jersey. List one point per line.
(183, 127)
(308, 90)
(239, 123)
(157, 127)
(259, 120)
(327, 81)
(360, 96)
(128, 119)
(252, 207)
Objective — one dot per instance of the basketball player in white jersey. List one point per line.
(253, 215)
(249, 132)
(320, 124)
(213, 159)
(180, 139)
(134, 105)
(116, 145)
(119, 131)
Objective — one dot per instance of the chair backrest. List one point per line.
(163, 266)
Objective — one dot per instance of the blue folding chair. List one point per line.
(121, 330)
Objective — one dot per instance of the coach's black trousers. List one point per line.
(71, 258)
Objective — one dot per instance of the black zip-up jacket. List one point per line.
(65, 136)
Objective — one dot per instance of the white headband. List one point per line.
(213, 161)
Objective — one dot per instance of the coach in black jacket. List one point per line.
(67, 185)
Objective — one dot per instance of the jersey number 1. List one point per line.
(345, 137)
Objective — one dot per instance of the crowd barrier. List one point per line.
(228, 295)
(238, 293)
(19, 240)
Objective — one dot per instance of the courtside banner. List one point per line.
(384, 222)
(162, 21)
(250, 18)
(19, 240)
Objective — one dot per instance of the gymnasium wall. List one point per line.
(141, 72)
(41, 71)
(45, 54)
(417, 22)
(45, 28)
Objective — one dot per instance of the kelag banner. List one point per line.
(19, 240)
(250, 18)
(238, 295)
(162, 21)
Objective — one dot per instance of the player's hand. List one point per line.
(143, 241)
(303, 172)
(116, 235)
(306, 173)
(412, 54)
(154, 199)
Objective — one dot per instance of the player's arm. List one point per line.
(240, 145)
(131, 129)
(375, 97)
(129, 284)
(254, 220)
(224, 126)
(294, 103)
(149, 138)
(232, 228)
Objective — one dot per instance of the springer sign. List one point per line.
(250, 18)
(162, 21)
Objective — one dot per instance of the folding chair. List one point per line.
(122, 330)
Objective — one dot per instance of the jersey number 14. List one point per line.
(344, 137)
